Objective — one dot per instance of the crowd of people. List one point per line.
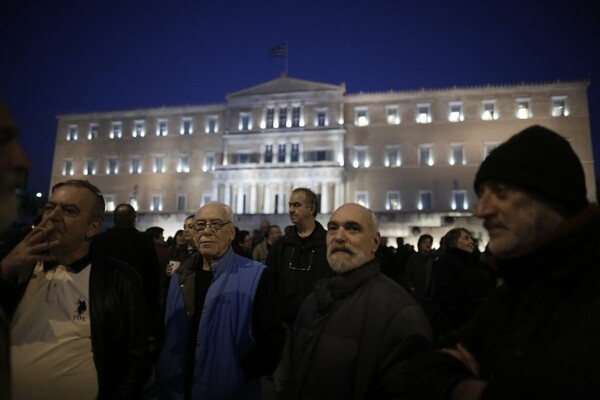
(310, 311)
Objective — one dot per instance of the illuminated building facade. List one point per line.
(410, 156)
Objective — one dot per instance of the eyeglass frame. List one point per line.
(210, 224)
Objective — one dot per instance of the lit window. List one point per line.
(139, 128)
(321, 117)
(488, 148)
(93, 132)
(112, 165)
(523, 108)
(136, 165)
(209, 162)
(559, 106)
(162, 127)
(392, 156)
(426, 154)
(455, 112)
(116, 130)
(459, 200)
(457, 154)
(72, 133)
(180, 202)
(156, 203)
(90, 166)
(110, 201)
(159, 164)
(424, 202)
(392, 201)
(282, 117)
(281, 153)
(423, 114)
(212, 124)
(133, 202)
(186, 126)
(270, 118)
(488, 110)
(296, 117)
(245, 121)
(295, 153)
(67, 167)
(362, 198)
(392, 115)
(268, 153)
(361, 116)
(361, 157)
(183, 165)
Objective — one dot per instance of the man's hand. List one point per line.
(463, 355)
(33, 248)
(468, 389)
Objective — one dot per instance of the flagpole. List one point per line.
(286, 59)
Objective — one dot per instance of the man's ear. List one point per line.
(376, 241)
(93, 228)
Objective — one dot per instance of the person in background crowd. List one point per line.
(355, 333)
(83, 311)
(222, 325)
(242, 244)
(403, 252)
(13, 170)
(297, 260)
(258, 235)
(261, 251)
(162, 251)
(417, 274)
(536, 337)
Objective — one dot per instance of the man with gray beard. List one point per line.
(356, 331)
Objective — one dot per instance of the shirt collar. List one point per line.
(76, 266)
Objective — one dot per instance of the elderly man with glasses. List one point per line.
(222, 327)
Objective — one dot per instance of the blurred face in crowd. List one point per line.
(274, 234)
(188, 231)
(246, 243)
(465, 242)
(513, 218)
(352, 238)
(180, 240)
(425, 245)
(214, 231)
(299, 209)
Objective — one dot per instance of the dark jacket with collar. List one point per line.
(353, 337)
(297, 263)
(536, 337)
(119, 339)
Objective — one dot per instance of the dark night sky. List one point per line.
(60, 57)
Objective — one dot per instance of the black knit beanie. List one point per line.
(541, 162)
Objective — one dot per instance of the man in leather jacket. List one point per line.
(77, 318)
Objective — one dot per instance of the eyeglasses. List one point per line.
(215, 226)
(300, 263)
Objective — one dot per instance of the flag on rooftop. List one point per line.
(278, 51)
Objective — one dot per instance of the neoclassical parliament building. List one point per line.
(410, 156)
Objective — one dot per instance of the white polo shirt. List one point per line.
(51, 346)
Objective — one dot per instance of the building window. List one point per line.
(269, 153)
(243, 158)
(423, 114)
(110, 201)
(187, 128)
(283, 117)
(361, 116)
(488, 147)
(90, 166)
(212, 124)
(93, 132)
(361, 157)
(488, 110)
(392, 201)
(112, 165)
(156, 203)
(362, 198)
(455, 111)
(162, 127)
(245, 121)
(136, 165)
(270, 118)
(72, 133)
(68, 167)
(295, 117)
(321, 117)
(159, 164)
(524, 108)
(116, 130)
(183, 165)
(180, 202)
(426, 154)
(295, 153)
(133, 202)
(392, 156)
(457, 154)
(321, 155)
(281, 153)
(392, 116)
(459, 200)
(209, 162)
(139, 129)
(424, 200)
(559, 106)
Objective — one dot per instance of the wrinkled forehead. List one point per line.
(211, 212)
(351, 213)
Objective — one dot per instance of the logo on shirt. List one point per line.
(81, 311)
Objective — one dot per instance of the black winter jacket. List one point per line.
(119, 338)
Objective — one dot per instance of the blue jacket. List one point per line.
(224, 334)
